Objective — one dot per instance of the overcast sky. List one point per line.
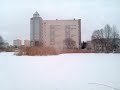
(94, 14)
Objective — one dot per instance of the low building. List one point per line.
(89, 45)
(17, 43)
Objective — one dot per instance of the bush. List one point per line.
(44, 51)
(33, 51)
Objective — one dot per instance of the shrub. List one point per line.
(32, 51)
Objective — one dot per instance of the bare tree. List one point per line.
(69, 43)
(115, 39)
(108, 31)
(98, 40)
(106, 40)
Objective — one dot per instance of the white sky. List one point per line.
(15, 15)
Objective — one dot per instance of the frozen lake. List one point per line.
(61, 72)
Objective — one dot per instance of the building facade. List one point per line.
(26, 43)
(52, 33)
(17, 43)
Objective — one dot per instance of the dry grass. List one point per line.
(44, 51)
(33, 51)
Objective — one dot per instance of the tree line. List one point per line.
(106, 39)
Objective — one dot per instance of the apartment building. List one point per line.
(52, 33)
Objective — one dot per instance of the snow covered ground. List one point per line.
(61, 72)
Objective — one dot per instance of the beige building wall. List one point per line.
(27, 43)
(56, 31)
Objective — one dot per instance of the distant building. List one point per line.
(52, 33)
(89, 45)
(17, 43)
(26, 43)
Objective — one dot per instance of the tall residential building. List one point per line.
(27, 43)
(17, 43)
(52, 33)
